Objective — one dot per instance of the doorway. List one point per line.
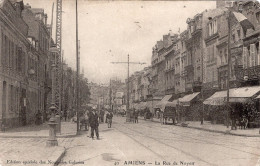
(23, 107)
(4, 104)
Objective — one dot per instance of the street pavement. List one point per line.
(145, 143)
(153, 143)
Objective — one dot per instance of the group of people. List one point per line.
(92, 118)
(134, 116)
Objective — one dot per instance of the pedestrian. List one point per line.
(102, 113)
(93, 121)
(65, 115)
(136, 116)
(109, 119)
(86, 120)
(38, 118)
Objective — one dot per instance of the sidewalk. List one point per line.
(217, 128)
(220, 128)
(27, 145)
(68, 129)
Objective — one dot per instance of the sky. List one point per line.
(110, 30)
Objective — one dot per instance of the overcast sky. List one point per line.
(109, 30)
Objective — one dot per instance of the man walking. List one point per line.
(109, 119)
(93, 121)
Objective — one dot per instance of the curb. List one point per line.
(214, 131)
(18, 136)
(60, 157)
(221, 132)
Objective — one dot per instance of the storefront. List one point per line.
(163, 102)
(191, 107)
(242, 102)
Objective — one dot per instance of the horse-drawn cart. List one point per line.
(168, 115)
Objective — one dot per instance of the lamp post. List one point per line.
(52, 140)
(228, 76)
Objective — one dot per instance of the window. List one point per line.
(233, 37)
(225, 55)
(221, 57)
(258, 17)
(239, 34)
(212, 27)
(213, 51)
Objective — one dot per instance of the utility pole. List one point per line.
(110, 99)
(128, 93)
(229, 59)
(77, 75)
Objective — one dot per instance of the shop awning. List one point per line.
(172, 104)
(186, 100)
(163, 102)
(217, 98)
(236, 95)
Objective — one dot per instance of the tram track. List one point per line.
(187, 137)
(160, 142)
(203, 140)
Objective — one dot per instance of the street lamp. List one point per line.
(52, 140)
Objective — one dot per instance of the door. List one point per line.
(23, 107)
(4, 104)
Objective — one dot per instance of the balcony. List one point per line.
(169, 69)
(184, 73)
(249, 74)
(211, 62)
(189, 68)
(211, 37)
(188, 86)
(197, 30)
(177, 75)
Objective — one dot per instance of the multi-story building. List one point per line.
(211, 34)
(23, 71)
(248, 74)
(39, 36)
(170, 67)
(177, 71)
